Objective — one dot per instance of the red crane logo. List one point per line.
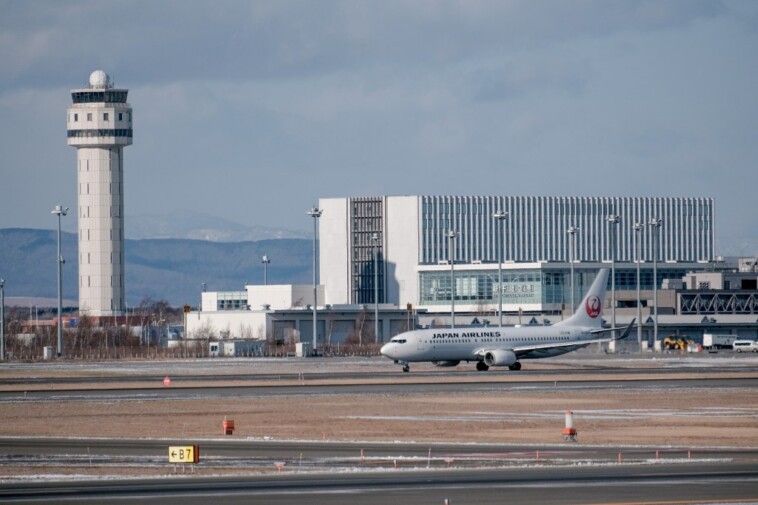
(593, 306)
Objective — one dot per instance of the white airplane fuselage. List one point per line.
(468, 344)
(506, 345)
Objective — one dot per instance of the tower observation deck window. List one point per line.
(103, 132)
(108, 96)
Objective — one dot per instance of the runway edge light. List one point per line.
(569, 432)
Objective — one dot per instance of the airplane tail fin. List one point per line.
(590, 311)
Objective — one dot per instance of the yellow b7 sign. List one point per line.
(184, 454)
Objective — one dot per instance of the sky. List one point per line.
(253, 110)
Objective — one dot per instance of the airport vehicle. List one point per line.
(713, 341)
(677, 343)
(745, 346)
(506, 346)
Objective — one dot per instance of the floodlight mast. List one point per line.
(572, 230)
(265, 262)
(655, 224)
(375, 240)
(315, 213)
(501, 216)
(451, 234)
(60, 211)
(638, 228)
(613, 221)
(2, 319)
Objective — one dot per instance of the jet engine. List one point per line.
(500, 357)
(446, 363)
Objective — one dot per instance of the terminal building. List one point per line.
(404, 243)
(420, 245)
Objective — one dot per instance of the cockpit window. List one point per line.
(399, 340)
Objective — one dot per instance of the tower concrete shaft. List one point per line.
(100, 126)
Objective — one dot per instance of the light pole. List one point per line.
(2, 319)
(203, 285)
(572, 230)
(656, 224)
(315, 213)
(613, 221)
(638, 227)
(450, 239)
(60, 211)
(265, 262)
(159, 331)
(500, 216)
(375, 241)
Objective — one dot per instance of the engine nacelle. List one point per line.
(500, 357)
(446, 363)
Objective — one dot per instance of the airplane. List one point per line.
(506, 346)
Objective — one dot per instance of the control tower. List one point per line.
(100, 126)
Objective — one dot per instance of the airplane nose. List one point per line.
(387, 349)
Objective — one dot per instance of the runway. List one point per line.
(329, 455)
(427, 436)
(623, 484)
(191, 391)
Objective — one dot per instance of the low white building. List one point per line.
(272, 296)
(285, 313)
(245, 314)
(235, 348)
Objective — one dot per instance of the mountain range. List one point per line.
(171, 269)
(197, 226)
(194, 225)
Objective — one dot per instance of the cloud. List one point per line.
(522, 76)
(253, 110)
(159, 41)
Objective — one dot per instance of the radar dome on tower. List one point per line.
(99, 79)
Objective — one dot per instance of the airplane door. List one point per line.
(420, 345)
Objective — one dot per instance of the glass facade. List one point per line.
(366, 222)
(481, 287)
(527, 286)
(231, 300)
(535, 229)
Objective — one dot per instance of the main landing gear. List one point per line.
(481, 366)
(406, 368)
